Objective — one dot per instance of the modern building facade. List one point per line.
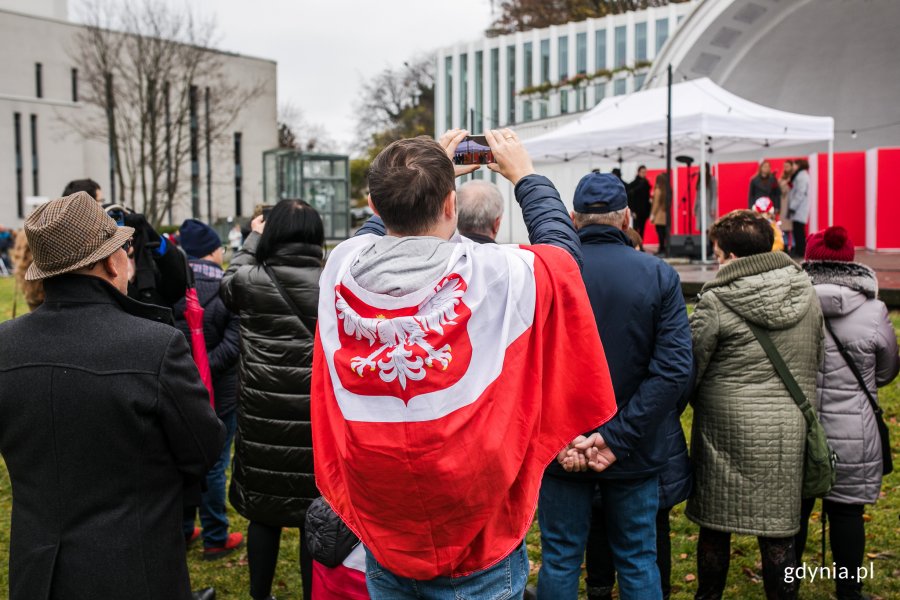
(485, 84)
(42, 103)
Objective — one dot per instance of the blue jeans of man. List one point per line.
(213, 513)
(629, 511)
(504, 580)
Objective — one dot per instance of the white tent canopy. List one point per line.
(704, 117)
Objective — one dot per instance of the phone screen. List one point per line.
(473, 150)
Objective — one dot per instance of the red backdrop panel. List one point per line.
(849, 193)
(888, 237)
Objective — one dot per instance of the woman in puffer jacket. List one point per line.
(848, 294)
(273, 481)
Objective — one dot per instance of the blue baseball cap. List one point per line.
(600, 193)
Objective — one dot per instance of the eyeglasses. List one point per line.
(127, 245)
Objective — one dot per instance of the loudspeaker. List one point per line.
(687, 246)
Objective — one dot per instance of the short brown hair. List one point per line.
(742, 233)
(408, 182)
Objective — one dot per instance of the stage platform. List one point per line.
(886, 265)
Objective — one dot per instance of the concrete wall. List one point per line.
(65, 154)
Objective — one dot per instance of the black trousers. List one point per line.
(661, 234)
(799, 235)
(601, 574)
(714, 558)
(263, 543)
(847, 535)
(639, 222)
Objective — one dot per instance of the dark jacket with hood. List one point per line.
(221, 331)
(103, 423)
(273, 480)
(639, 310)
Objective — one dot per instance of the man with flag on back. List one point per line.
(447, 375)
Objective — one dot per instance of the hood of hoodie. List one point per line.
(769, 290)
(842, 287)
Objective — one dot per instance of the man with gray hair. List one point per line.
(640, 314)
(480, 207)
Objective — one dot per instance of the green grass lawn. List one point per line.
(230, 578)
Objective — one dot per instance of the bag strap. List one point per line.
(854, 369)
(762, 336)
(309, 326)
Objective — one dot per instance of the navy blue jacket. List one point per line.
(641, 317)
(221, 330)
(545, 217)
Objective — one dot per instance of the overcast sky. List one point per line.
(325, 50)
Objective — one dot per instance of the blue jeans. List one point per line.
(629, 511)
(504, 580)
(213, 514)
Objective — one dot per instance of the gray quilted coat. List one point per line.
(748, 437)
(847, 293)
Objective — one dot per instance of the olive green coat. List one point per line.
(748, 436)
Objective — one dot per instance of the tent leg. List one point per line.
(703, 198)
(831, 183)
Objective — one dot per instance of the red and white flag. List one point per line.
(435, 414)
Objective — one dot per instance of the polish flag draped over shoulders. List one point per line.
(435, 414)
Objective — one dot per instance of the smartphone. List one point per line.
(473, 150)
(265, 213)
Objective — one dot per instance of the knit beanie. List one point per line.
(198, 239)
(831, 244)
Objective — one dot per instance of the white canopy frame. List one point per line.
(634, 126)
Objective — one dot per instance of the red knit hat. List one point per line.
(830, 244)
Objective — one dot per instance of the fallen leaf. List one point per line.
(690, 577)
(751, 575)
(682, 556)
(867, 518)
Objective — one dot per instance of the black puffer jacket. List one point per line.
(273, 481)
(220, 330)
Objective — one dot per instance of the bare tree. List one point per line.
(150, 67)
(396, 103)
(295, 131)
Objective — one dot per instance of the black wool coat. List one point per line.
(273, 480)
(103, 423)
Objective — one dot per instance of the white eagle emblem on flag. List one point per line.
(397, 338)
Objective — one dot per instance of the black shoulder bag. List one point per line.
(818, 464)
(887, 460)
(308, 324)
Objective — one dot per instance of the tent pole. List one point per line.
(703, 199)
(831, 182)
(669, 193)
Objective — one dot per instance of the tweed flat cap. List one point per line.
(70, 233)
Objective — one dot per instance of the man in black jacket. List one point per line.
(103, 422)
(641, 317)
(639, 200)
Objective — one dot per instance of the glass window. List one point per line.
(600, 48)
(34, 156)
(563, 72)
(448, 92)
(479, 91)
(38, 80)
(20, 189)
(619, 87)
(621, 50)
(74, 85)
(639, 81)
(510, 84)
(662, 32)
(599, 92)
(528, 52)
(640, 41)
(464, 92)
(581, 53)
(545, 71)
(495, 88)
